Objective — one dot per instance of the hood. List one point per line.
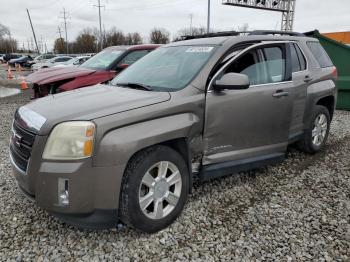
(91, 103)
(55, 74)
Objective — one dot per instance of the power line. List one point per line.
(65, 17)
(59, 31)
(99, 16)
(208, 18)
(191, 20)
(31, 25)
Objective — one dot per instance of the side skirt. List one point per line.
(295, 137)
(228, 168)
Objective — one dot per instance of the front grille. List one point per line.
(21, 144)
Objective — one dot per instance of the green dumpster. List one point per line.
(340, 55)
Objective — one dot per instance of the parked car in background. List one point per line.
(2, 58)
(50, 63)
(8, 57)
(23, 61)
(77, 61)
(196, 109)
(41, 59)
(98, 69)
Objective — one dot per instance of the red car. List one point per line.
(99, 69)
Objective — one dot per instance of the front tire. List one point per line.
(317, 131)
(154, 189)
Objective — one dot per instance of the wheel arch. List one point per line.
(329, 103)
(118, 146)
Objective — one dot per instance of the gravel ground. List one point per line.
(295, 211)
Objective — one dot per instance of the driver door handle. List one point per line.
(280, 93)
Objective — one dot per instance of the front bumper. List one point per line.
(93, 191)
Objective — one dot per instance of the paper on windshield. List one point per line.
(200, 49)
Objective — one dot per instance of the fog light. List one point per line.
(63, 192)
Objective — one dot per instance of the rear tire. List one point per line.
(154, 189)
(317, 131)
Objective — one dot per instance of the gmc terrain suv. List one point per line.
(207, 107)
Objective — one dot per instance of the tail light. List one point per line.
(335, 73)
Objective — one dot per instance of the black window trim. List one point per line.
(303, 54)
(285, 56)
(262, 44)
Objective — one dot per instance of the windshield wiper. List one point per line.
(136, 86)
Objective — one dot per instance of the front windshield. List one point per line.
(167, 68)
(102, 60)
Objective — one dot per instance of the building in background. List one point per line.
(342, 37)
(340, 55)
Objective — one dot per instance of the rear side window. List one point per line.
(320, 54)
(298, 59)
(134, 56)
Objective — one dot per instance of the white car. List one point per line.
(73, 62)
(52, 62)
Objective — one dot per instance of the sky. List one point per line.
(143, 15)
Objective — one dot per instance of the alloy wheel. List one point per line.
(319, 131)
(160, 190)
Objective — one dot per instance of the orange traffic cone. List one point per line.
(9, 73)
(24, 85)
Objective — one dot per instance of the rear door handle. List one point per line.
(280, 93)
(307, 79)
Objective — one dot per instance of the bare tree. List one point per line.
(190, 32)
(59, 46)
(128, 39)
(114, 37)
(136, 38)
(4, 31)
(160, 36)
(86, 41)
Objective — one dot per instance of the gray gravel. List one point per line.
(295, 211)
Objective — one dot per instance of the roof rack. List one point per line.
(273, 32)
(237, 33)
(224, 33)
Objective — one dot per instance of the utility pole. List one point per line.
(28, 45)
(30, 20)
(64, 17)
(99, 16)
(59, 31)
(208, 22)
(11, 44)
(191, 19)
(41, 44)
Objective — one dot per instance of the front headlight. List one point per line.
(70, 140)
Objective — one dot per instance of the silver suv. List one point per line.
(204, 107)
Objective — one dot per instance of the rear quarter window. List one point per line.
(320, 54)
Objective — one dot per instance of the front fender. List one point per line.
(119, 145)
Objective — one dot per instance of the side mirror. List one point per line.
(232, 81)
(122, 66)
